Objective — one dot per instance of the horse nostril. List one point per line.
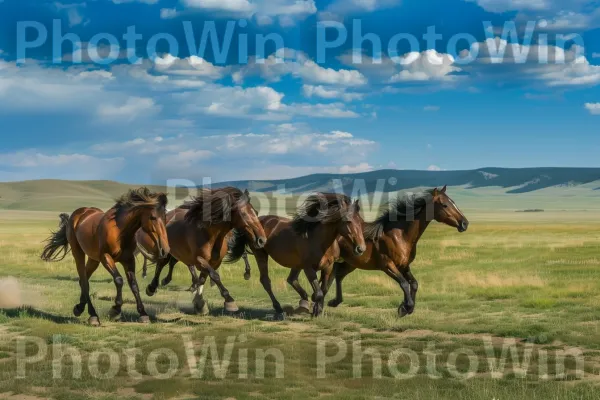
(359, 250)
(260, 242)
(464, 225)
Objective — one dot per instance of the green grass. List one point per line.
(531, 277)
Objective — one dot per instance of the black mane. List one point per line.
(321, 208)
(404, 207)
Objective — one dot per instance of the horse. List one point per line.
(305, 243)
(392, 242)
(107, 238)
(143, 241)
(198, 234)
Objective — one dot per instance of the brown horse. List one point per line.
(306, 243)
(392, 242)
(108, 238)
(144, 241)
(198, 234)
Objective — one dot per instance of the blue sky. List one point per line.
(178, 113)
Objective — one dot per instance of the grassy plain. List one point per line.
(533, 277)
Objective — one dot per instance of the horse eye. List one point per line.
(152, 218)
(444, 205)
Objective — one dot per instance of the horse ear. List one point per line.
(247, 194)
(163, 200)
(444, 189)
(436, 192)
(357, 205)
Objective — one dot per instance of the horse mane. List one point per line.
(408, 205)
(135, 200)
(321, 208)
(212, 207)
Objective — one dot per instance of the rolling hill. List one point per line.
(536, 187)
(520, 180)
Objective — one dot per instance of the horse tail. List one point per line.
(236, 246)
(57, 245)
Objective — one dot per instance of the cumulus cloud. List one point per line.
(413, 67)
(132, 108)
(285, 11)
(551, 65)
(593, 108)
(330, 93)
(296, 63)
(31, 164)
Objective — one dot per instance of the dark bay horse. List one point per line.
(144, 241)
(108, 238)
(198, 235)
(306, 243)
(392, 242)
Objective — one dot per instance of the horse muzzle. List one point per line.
(261, 242)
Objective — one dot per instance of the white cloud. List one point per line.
(133, 108)
(168, 13)
(296, 63)
(414, 67)
(192, 66)
(135, 1)
(32, 164)
(286, 11)
(74, 15)
(434, 168)
(593, 108)
(355, 169)
(345, 7)
(426, 66)
(551, 65)
(330, 93)
(431, 108)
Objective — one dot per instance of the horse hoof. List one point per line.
(303, 307)
(144, 319)
(403, 311)
(279, 316)
(150, 292)
(334, 303)
(165, 282)
(231, 307)
(94, 321)
(114, 314)
(200, 306)
(77, 310)
(247, 276)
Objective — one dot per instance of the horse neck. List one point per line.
(129, 222)
(218, 232)
(415, 229)
(327, 233)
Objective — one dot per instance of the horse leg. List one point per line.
(247, 271)
(195, 279)
(341, 270)
(200, 306)
(311, 275)
(408, 306)
(110, 265)
(262, 259)
(169, 277)
(130, 273)
(145, 268)
(84, 285)
(292, 280)
(414, 285)
(230, 305)
(153, 286)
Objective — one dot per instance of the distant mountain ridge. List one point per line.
(516, 180)
(51, 195)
